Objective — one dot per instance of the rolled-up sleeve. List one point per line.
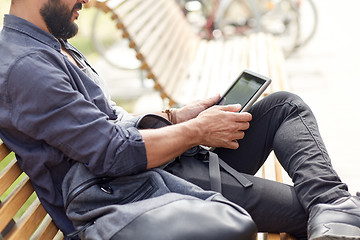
(48, 106)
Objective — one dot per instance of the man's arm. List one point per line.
(47, 106)
(59, 115)
(189, 111)
(218, 126)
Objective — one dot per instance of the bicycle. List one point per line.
(217, 19)
(229, 18)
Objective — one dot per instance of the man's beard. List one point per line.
(58, 19)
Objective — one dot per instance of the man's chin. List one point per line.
(66, 35)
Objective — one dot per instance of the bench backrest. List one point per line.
(21, 214)
(160, 35)
(182, 65)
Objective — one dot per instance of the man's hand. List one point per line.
(193, 109)
(202, 124)
(221, 126)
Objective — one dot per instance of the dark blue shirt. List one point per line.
(52, 114)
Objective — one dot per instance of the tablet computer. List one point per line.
(245, 90)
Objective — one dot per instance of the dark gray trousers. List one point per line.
(284, 123)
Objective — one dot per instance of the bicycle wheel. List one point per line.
(282, 20)
(236, 17)
(308, 21)
(110, 44)
(242, 17)
(197, 13)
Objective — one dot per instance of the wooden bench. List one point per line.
(21, 214)
(183, 67)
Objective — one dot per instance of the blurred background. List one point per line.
(325, 72)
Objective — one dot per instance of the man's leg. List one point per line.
(284, 123)
(273, 206)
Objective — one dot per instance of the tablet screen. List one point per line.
(243, 90)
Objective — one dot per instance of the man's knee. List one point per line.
(284, 96)
(292, 99)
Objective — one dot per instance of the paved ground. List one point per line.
(326, 74)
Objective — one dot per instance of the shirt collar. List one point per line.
(23, 26)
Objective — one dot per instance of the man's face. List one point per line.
(59, 17)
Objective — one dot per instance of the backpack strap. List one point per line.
(214, 170)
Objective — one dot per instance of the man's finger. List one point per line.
(230, 108)
(233, 144)
(212, 100)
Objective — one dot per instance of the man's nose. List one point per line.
(83, 1)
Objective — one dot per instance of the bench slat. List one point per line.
(225, 66)
(32, 216)
(46, 230)
(158, 37)
(176, 62)
(166, 58)
(253, 54)
(276, 68)
(4, 151)
(15, 201)
(205, 73)
(181, 80)
(187, 90)
(215, 71)
(157, 13)
(141, 23)
(240, 60)
(156, 52)
(135, 15)
(123, 7)
(29, 222)
(50, 232)
(263, 52)
(11, 172)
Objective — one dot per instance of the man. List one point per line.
(53, 111)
